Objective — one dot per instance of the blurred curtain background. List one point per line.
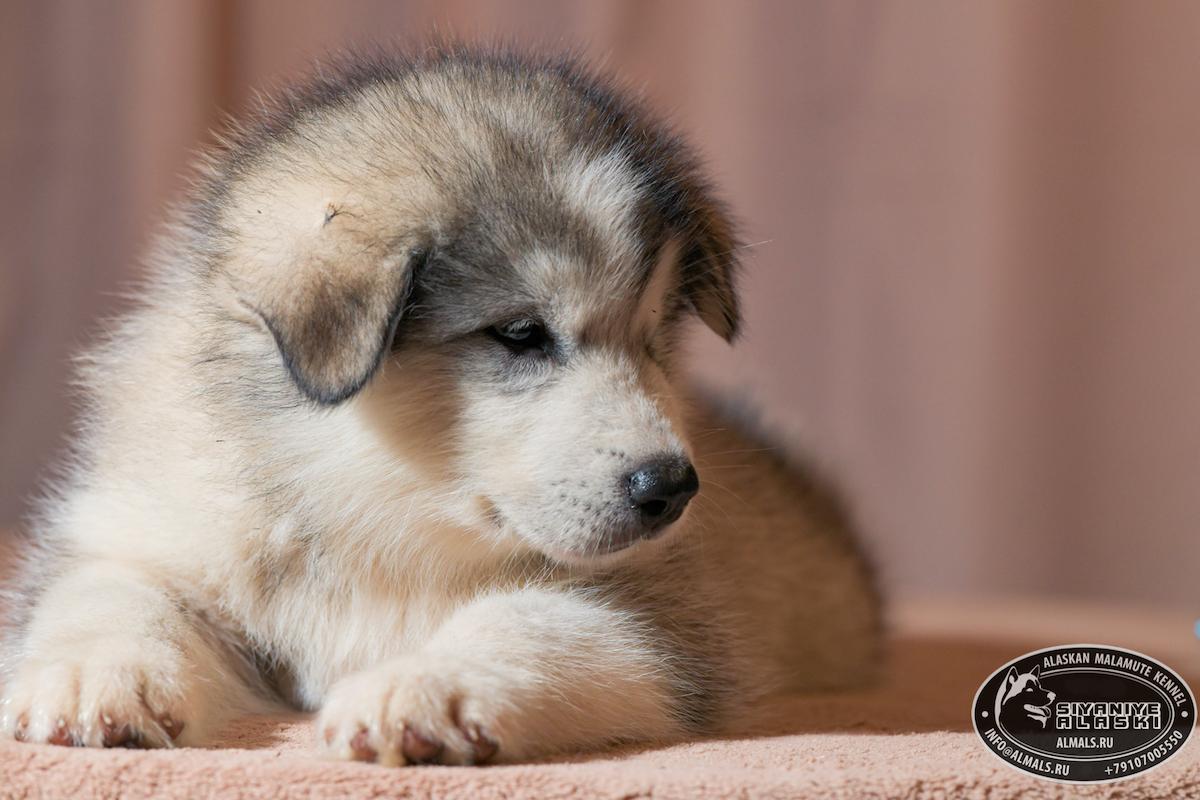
(975, 294)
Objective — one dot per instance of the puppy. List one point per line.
(397, 433)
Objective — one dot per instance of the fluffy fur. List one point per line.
(315, 464)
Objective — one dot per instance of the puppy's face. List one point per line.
(497, 287)
(558, 355)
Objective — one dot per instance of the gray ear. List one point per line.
(334, 324)
(709, 266)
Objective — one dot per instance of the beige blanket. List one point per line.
(908, 738)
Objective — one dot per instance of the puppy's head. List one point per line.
(490, 260)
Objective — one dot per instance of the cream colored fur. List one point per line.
(416, 560)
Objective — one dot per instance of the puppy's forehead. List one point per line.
(568, 235)
(601, 256)
(607, 191)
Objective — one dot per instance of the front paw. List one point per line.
(111, 694)
(419, 711)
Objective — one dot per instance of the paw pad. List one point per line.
(419, 749)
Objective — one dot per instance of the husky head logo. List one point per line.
(1021, 702)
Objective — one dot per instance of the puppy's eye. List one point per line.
(522, 335)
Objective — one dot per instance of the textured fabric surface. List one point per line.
(827, 765)
(907, 738)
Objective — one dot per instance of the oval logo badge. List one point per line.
(1084, 713)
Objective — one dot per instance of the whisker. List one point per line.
(739, 452)
(731, 492)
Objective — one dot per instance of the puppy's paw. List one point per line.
(107, 694)
(421, 711)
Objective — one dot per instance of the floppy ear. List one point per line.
(709, 267)
(334, 322)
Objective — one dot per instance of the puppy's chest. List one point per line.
(320, 631)
(322, 613)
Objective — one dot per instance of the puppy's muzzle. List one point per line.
(659, 490)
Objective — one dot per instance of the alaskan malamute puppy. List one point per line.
(397, 433)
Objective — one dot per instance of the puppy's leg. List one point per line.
(110, 659)
(506, 678)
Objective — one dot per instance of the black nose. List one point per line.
(660, 489)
